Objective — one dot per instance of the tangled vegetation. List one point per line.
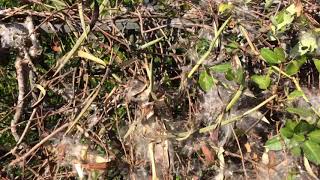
(159, 89)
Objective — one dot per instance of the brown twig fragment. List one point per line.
(22, 69)
(23, 157)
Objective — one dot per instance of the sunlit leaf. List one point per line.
(91, 57)
(268, 3)
(308, 43)
(298, 137)
(286, 132)
(296, 151)
(222, 68)
(311, 150)
(235, 99)
(291, 9)
(41, 96)
(284, 18)
(294, 66)
(295, 94)
(223, 7)
(268, 55)
(280, 54)
(314, 136)
(81, 15)
(275, 56)
(302, 112)
(291, 124)
(206, 81)
(274, 144)
(62, 62)
(291, 143)
(232, 46)
(263, 82)
(317, 64)
(148, 44)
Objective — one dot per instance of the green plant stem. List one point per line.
(214, 126)
(207, 53)
(296, 83)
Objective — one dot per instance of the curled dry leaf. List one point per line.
(209, 157)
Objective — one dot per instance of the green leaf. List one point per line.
(312, 151)
(263, 82)
(274, 144)
(302, 60)
(286, 132)
(239, 76)
(291, 124)
(298, 137)
(294, 66)
(295, 94)
(303, 128)
(206, 81)
(232, 46)
(273, 57)
(148, 44)
(302, 112)
(280, 54)
(296, 151)
(229, 75)
(317, 64)
(202, 46)
(235, 75)
(268, 3)
(269, 56)
(221, 68)
(291, 143)
(282, 20)
(291, 9)
(314, 136)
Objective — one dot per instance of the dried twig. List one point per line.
(23, 157)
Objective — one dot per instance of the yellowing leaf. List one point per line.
(81, 15)
(41, 96)
(91, 57)
(223, 7)
(61, 62)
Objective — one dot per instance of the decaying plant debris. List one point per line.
(159, 89)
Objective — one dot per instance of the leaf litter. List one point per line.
(174, 90)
